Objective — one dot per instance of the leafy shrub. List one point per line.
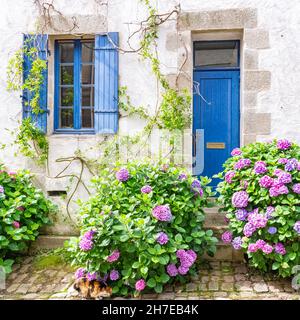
(143, 228)
(261, 195)
(23, 210)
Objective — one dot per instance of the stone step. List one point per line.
(47, 242)
(225, 252)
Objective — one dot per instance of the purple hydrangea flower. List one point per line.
(196, 184)
(296, 188)
(277, 172)
(267, 249)
(1, 189)
(249, 229)
(272, 230)
(80, 273)
(91, 276)
(172, 270)
(241, 214)
(283, 160)
(297, 227)
(140, 285)
(237, 243)
(269, 212)
(240, 199)
(187, 259)
(182, 176)
(146, 189)
(260, 167)
(252, 247)
(229, 175)
(122, 175)
(236, 152)
(260, 244)
(278, 190)
(266, 182)
(257, 220)
(227, 237)
(162, 238)
(242, 163)
(279, 248)
(291, 165)
(183, 270)
(162, 213)
(86, 242)
(284, 177)
(114, 256)
(283, 144)
(114, 275)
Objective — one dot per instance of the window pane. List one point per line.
(66, 74)
(87, 99)
(87, 117)
(87, 52)
(66, 118)
(87, 74)
(216, 54)
(67, 97)
(66, 52)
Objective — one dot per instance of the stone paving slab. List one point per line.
(215, 281)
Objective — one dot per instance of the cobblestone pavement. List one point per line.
(217, 280)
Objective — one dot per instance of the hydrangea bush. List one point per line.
(260, 192)
(23, 210)
(143, 228)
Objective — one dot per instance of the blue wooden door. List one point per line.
(216, 116)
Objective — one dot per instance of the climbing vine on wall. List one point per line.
(173, 109)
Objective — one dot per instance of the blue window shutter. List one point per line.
(39, 41)
(106, 83)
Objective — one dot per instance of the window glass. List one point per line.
(212, 54)
(66, 52)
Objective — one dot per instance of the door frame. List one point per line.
(198, 147)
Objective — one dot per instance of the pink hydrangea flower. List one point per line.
(114, 256)
(296, 188)
(16, 224)
(267, 249)
(92, 276)
(279, 248)
(140, 285)
(252, 247)
(80, 273)
(260, 167)
(229, 175)
(266, 182)
(162, 213)
(248, 229)
(283, 144)
(242, 163)
(162, 238)
(122, 175)
(297, 227)
(146, 189)
(284, 177)
(283, 160)
(260, 244)
(183, 270)
(114, 275)
(278, 190)
(236, 152)
(227, 237)
(240, 199)
(172, 270)
(258, 220)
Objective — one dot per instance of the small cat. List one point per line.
(92, 289)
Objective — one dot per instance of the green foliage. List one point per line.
(122, 217)
(31, 141)
(287, 206)
(23, 210)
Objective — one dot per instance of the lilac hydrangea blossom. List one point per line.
(172, 270)
(183, 270)
(196, 188)
(257, 220)
(284, 177)
(91, 276)
(266, 182)
(80, 273)
(283, 160)
(182, 176)
(278, 190)
(297, 227)
(114, 275)
(162, 238)
(296, 188)
(146, 189)
(272, 230)
(86, 241)
(140, 285)
(237, 243)
(260, 244)
(291, 165)
(242, 163)
(260, 167)
(279, 248)
(162, 213)
(229, 175)
(248, 229)
(267, 249)
(236, 152)
(114, 256)
(240, 199)
(241, 214)
(283, 144)
(226, 237)
(269, 212)
(122, 175)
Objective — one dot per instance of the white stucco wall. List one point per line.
(282, 58)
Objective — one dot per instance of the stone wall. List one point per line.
(270, 68)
